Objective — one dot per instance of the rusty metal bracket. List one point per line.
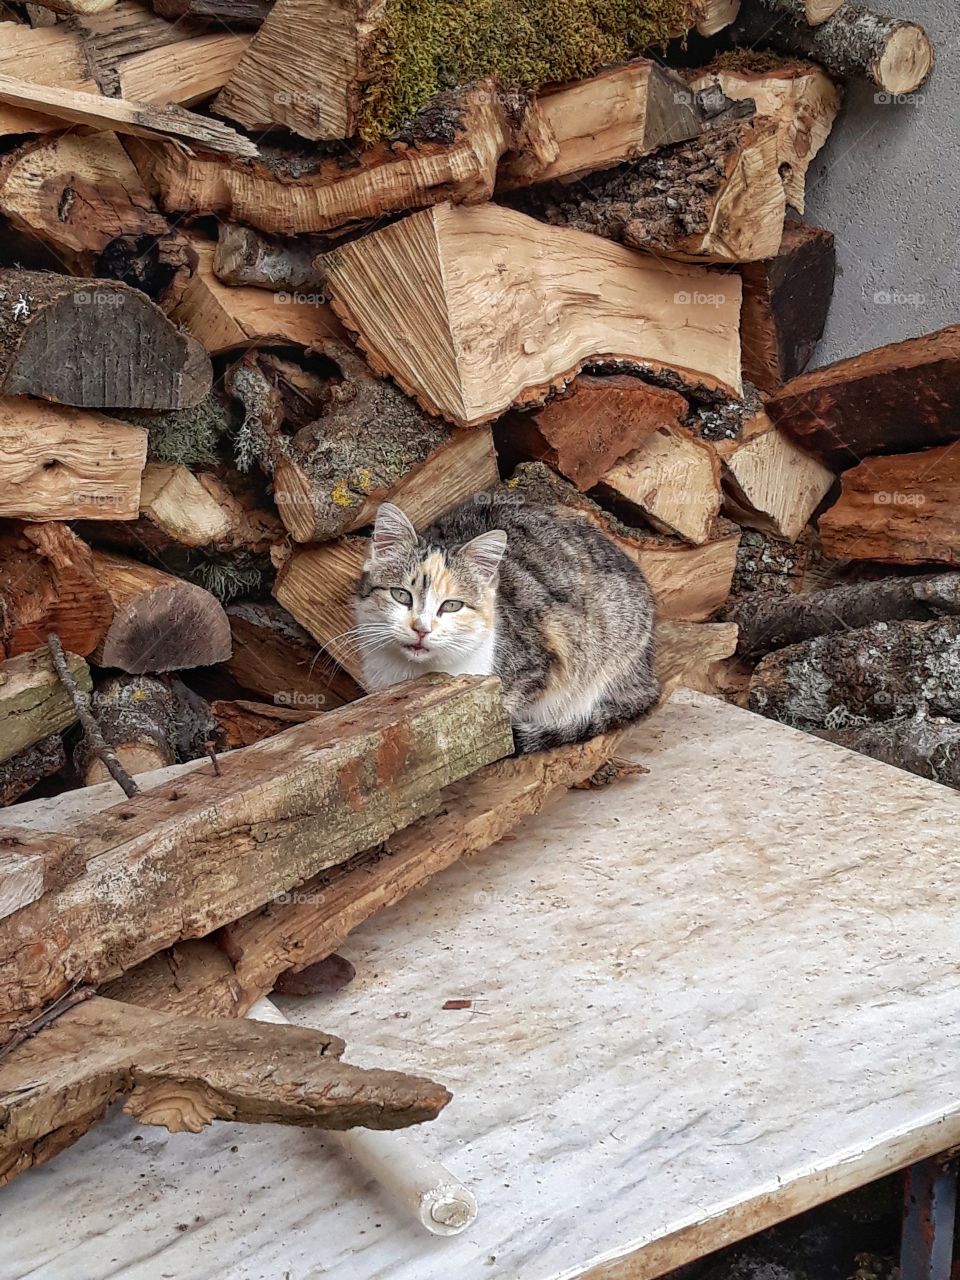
(929, 1214)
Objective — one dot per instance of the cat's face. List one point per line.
(425, 605)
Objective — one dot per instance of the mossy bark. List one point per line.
(929, 747)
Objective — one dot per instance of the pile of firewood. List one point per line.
(364, 265)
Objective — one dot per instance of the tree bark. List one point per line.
(785, 303)
(95, 344)
(900, 510)
(22, 772)
(893, 399)
(929, 747)
(617, 305)
(48, 582)
(232, 13)
(896, 55)
(245, 256)
(880, 672)
(180, 860)
(161, 623)
(136, 715)
(772, 622)
(591, 425)
(182, 1072)
(718, 198)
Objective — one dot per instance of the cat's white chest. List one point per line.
(382, 669)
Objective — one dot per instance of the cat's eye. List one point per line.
(450, 606)
(401, 596)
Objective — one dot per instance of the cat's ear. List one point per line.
(392, 532)
(485, 552)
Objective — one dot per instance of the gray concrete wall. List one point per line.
(887, 184)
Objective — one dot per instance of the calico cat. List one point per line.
(532, 593)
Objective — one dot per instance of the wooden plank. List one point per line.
(177, 862)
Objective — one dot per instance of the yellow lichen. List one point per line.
(340, 494)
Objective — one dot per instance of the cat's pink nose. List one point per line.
(420, 629)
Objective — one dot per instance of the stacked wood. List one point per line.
(160, 622)
(136, 717)
(95, 344)
(247, 257)
(893, 399)
(799, 96)
(785, 304)
(33, 702)
(82, 198)
(616, 305)
(589, 426)
(922, 744)
(718, 198)
(895, 54)
(43, 55)
(772, 485)
(902, 509)
(21, 773)
(274, 657)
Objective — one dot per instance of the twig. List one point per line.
(72, 996)
(212, 753)
(95, 739)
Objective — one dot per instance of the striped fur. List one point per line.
(564, 618)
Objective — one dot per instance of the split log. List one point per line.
(49, 584)
(689, 583)
(181, 510)
(896, 398)
(879, 672)
(117, 115)
(904, 509)
(33, 702)
(813, 12)
(718, 14)
(673, 479)
(317, 585)
(161, 623)
(785, 304)
(68, 7)
(136, 717)
(449, 151)
(718, 198)
(370, 443)
(800, 97)
(228, 319)
(43, 55)
(347, 71)
(688, 654)
(597, 123)
(896, 55)
(232, 13)
(181, 860)
(82, 198)
(921, 744)
(772, 485)
(58, 463)
(244, 256)
(181, 1073)
(772, 622)
(474, 814)
(274, 656)
(591, 425)
(184, 73)
(95, 344)
(21, 774)
(488, 321)
(242, 723)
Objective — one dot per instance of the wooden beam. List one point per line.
(469, 364)
(58, 463)
(181, 1073)
(119, 116)
(896, 398)
(95, 344)
(179, 861)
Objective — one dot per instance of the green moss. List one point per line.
(189, 437)
(228, 577)
(758, 62)
(424, 46)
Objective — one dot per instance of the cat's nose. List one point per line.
(419, 628)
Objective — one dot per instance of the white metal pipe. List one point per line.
(418, 1184)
